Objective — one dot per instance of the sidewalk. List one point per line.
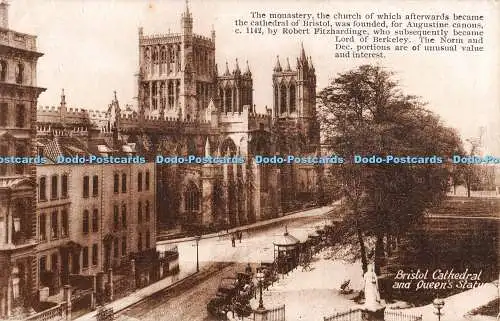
(317, 211)
(139, 295)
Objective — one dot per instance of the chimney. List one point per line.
(4, 14)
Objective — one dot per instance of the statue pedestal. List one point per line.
(373, 313)
(260, 314)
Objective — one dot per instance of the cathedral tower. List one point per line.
(176, 73)
(235, 89)
(295, 96)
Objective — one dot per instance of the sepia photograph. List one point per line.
(286, 160)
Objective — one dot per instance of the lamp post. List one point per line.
(197, 238)
(438, 305)
(260, 278)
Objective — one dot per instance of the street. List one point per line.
(217, 258)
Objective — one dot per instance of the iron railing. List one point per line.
(351, 315)
(390, 315)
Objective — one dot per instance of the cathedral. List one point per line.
(187, 105)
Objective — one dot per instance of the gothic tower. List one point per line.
(176, 73)
(295, 96)
(235, 89)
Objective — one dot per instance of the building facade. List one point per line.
(92, 218)
(18, 101)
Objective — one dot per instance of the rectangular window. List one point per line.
(43, 263)
(147, 181)
(95, 220)
(124, 216)
(95, 254)
(20, 116)
(4, 114)
(64, 223)
(116, 249)
(54, 227)
(95, 185)
(116, 183)
(86, 186)
(139, 243)
(64, 186)
(148, 236)
(42, 189)
(53, 187)
(124, 183)
(116, 218)
(43, 227)
(124, 246)
(139, 181)
(85, 221)
(85, 253)
(147, 211)
(54, 262)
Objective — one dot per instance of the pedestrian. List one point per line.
(240, 234)
(233, 241)
(248, 269)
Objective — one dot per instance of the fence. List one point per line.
(56, 313)
(351, 315)
(81, 299)
(275, 314)
(390, 315)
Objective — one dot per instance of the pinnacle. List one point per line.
(278, 65)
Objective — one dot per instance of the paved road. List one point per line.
(217, 259)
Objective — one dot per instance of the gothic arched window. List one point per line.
(155, 95)
(191, 147)
(155, 55)
(3, 70)
(163, 59)
(293, 107)
(282, 99)
(163, 96)
(192, 198)
(228, 100)
(19, 73)
(170, 94)
(276, 99)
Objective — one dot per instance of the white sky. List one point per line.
(91, 49)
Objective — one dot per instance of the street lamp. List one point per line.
(197, 238)
(438, 305)
(260, 278)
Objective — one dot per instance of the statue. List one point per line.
(372, 295)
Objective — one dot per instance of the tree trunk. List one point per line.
(362, 249)
(467, 182)
(388, 243)
(379, 251)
